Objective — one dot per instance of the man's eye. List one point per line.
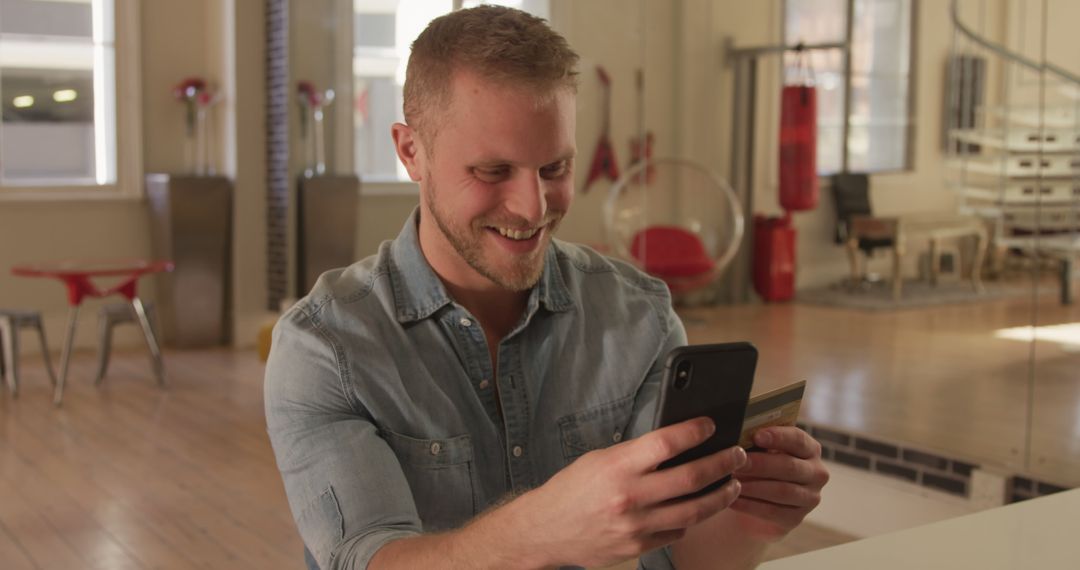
(554, 170)
(490, 174)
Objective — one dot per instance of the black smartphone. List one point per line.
(711, 380)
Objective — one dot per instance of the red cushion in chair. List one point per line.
(671, 251)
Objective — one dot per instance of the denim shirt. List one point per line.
(381, 400)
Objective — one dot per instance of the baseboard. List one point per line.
(906, 486)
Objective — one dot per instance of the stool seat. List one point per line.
(11, 320)
(20, 316)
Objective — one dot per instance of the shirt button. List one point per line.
(518, 451)
(465, 322)
(617, 437)
(483, 384)
(436, 448)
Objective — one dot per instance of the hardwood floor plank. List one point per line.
(150, 485)
(133, 527)
(34, 534)
(12, 553)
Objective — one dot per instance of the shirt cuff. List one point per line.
(659, 559)
(358, 551)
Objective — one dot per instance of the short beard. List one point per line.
(521, 276)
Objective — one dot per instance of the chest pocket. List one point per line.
(440, 476)
(595, 428)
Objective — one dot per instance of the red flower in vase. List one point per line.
(191, 92)
(189, 88)
(309, 95)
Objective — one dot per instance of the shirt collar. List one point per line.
(419, 293)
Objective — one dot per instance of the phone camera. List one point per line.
(682, 375)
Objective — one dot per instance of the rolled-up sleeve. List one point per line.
(347, 491)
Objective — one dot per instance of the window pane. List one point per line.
(375, 155)
(56, 19)
(815, 21)
(880, 62)
(57, 85)
(879, 123)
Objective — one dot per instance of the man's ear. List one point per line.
(409, 149)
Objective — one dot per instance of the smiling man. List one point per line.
(478, 394)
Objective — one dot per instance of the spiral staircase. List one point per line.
(1014, 146)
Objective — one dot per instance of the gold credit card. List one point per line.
(779, 407)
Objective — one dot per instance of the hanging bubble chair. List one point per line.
(676, 220)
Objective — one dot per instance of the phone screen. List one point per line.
(712, 380)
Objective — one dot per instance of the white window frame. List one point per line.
(128, 126)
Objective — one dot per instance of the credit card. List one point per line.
(779, 407)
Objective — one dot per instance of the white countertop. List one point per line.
(1041, 533)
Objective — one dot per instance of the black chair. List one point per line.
(851, 196)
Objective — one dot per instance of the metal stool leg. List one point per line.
(73, 317)
(45, 352)
(104, 348)
(11, 362)
(151, 340)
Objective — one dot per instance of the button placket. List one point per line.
(513, 393)
(474, 352)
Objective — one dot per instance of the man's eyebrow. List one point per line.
(494, 162)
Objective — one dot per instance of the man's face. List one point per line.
(496, 182)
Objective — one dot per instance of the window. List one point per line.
(383, 30)
(58, 90)
(875, 89)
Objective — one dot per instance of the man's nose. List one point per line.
(527, 198)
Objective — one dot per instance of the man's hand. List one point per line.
(781, 485)
(612, 504)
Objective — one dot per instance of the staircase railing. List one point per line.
(1043, 66)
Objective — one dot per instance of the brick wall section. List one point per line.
(929, 469)
(277, 150)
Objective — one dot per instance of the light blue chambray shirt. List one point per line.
(382, 408)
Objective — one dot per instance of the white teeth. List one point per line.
(517, 234)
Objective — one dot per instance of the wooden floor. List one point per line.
(130, 476)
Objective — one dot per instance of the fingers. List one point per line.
(687, 478)
(662, 539)
(790, 440)
(658, 446)
(781, 493)
(782, 467)
(784, 518)
(685, 514)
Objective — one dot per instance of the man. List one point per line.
(478, 395)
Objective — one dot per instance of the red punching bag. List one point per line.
(798, 148)
(774, 258)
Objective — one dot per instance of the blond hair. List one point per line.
(500, 44)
